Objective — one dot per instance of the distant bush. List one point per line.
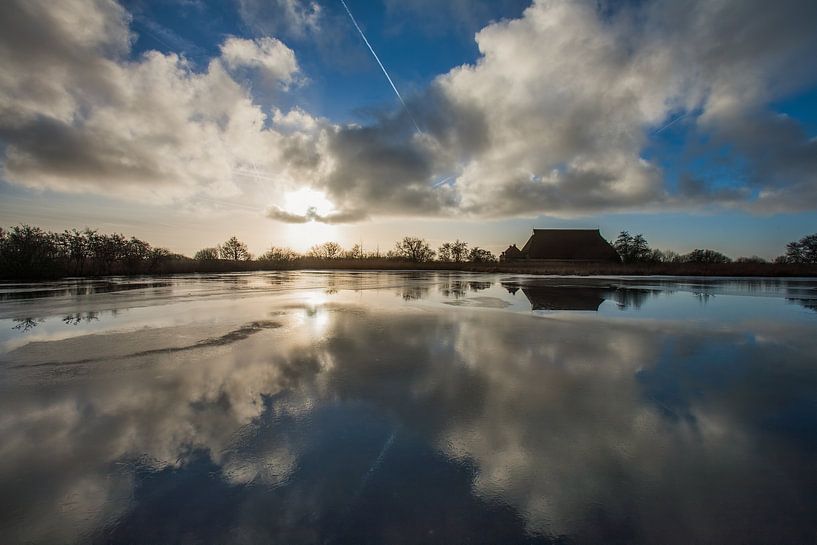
(206, 254)
(704, 256)
(752, 259)
(279, 255)
(663, 256)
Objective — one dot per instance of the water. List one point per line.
(307, 407)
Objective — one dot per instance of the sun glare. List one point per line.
(303, 200)
(301, 236)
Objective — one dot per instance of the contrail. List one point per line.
(383, 68)
(671, 123)
(444, 180)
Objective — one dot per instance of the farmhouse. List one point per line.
(568, 245)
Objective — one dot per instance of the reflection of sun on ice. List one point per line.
(301, 236)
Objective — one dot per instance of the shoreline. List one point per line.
(741, 270)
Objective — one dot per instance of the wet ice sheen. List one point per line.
(343, 407)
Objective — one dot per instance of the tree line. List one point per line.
(31, 252)
(635, 249)
(412, 249)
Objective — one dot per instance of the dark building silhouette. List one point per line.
(581, 296)
(564, 298)
(563, 245)
(511, 253)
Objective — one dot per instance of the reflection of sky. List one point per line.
(365, 407)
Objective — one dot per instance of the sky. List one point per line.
(184, 122)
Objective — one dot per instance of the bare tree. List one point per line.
(76, 248)
(28, 250)
(632, 249)
(235, 250)
(663, 256)
(456, 251)
(327, 250)
(414, 249)
(157, 256)
(481, 255)
(444, 252)
(459, 251)
(355, 253)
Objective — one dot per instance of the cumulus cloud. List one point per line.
(269, 55)
(46, 48)
(554, 117)
(77, 115)
(556, 113)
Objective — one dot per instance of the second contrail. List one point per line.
(383, 68)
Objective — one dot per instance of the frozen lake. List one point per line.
(366, 407)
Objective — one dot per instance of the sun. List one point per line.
(305, 200)
(301, 236)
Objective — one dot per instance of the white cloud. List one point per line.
(553, 118)
(76, 115)
(556, 113)
(271, 56)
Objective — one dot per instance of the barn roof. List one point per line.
(569, 245)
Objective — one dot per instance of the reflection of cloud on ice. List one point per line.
(84, 437)
(581, 424)
(577, 424)
(71, 497)
(567, 432)
(271, 469)
(548, 418)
